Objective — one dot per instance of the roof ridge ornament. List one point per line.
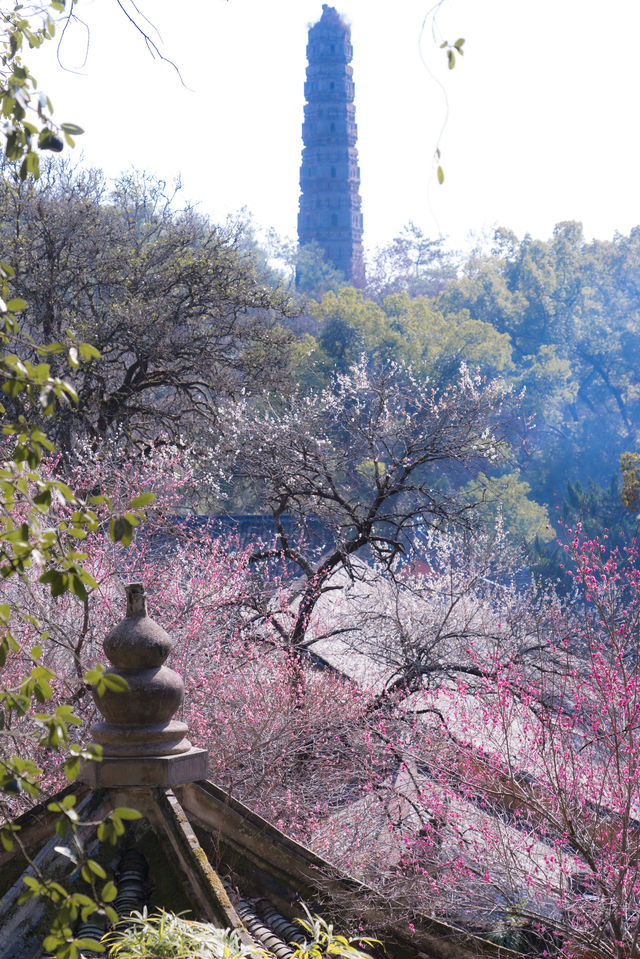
(139, 733)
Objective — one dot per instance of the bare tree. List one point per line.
(369, 461)
(454, 609)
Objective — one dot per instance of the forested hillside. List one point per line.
(187, 314)
(558, 318)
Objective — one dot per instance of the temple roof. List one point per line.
(194, 850)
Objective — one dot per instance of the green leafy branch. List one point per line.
(166, 934)
(324, 942)
(42, 521)
(96, 891)
(451, 50)
(27, 114)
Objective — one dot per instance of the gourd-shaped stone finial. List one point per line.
(139, 720)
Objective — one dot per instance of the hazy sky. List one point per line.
(542, 121)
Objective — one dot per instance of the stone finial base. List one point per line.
(161, 739)
(166, 771)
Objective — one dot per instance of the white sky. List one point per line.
(542, 123)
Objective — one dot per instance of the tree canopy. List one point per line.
(175, 306)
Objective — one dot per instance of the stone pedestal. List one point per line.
(166, 771)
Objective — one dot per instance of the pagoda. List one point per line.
(330, 206)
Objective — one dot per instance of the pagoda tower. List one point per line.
(330, 205)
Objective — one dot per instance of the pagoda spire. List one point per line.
(330, 205)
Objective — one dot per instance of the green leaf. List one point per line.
(77, 533)
(72, 768)
(440, 175)
(51, 943)
(32, 883)
(93, 676)
(143, 499)
(48, 140)
(72, 129)
(109, 892)
(88, 352)
(43, 499)
(121, 530)
(56, 580)
(77, 587)
(91, 944)
(111, 915)
(64, 489)
(62, 827)
(17, 304)
(123, 812)
(96, 869)
(117, 684)
(7, 840)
